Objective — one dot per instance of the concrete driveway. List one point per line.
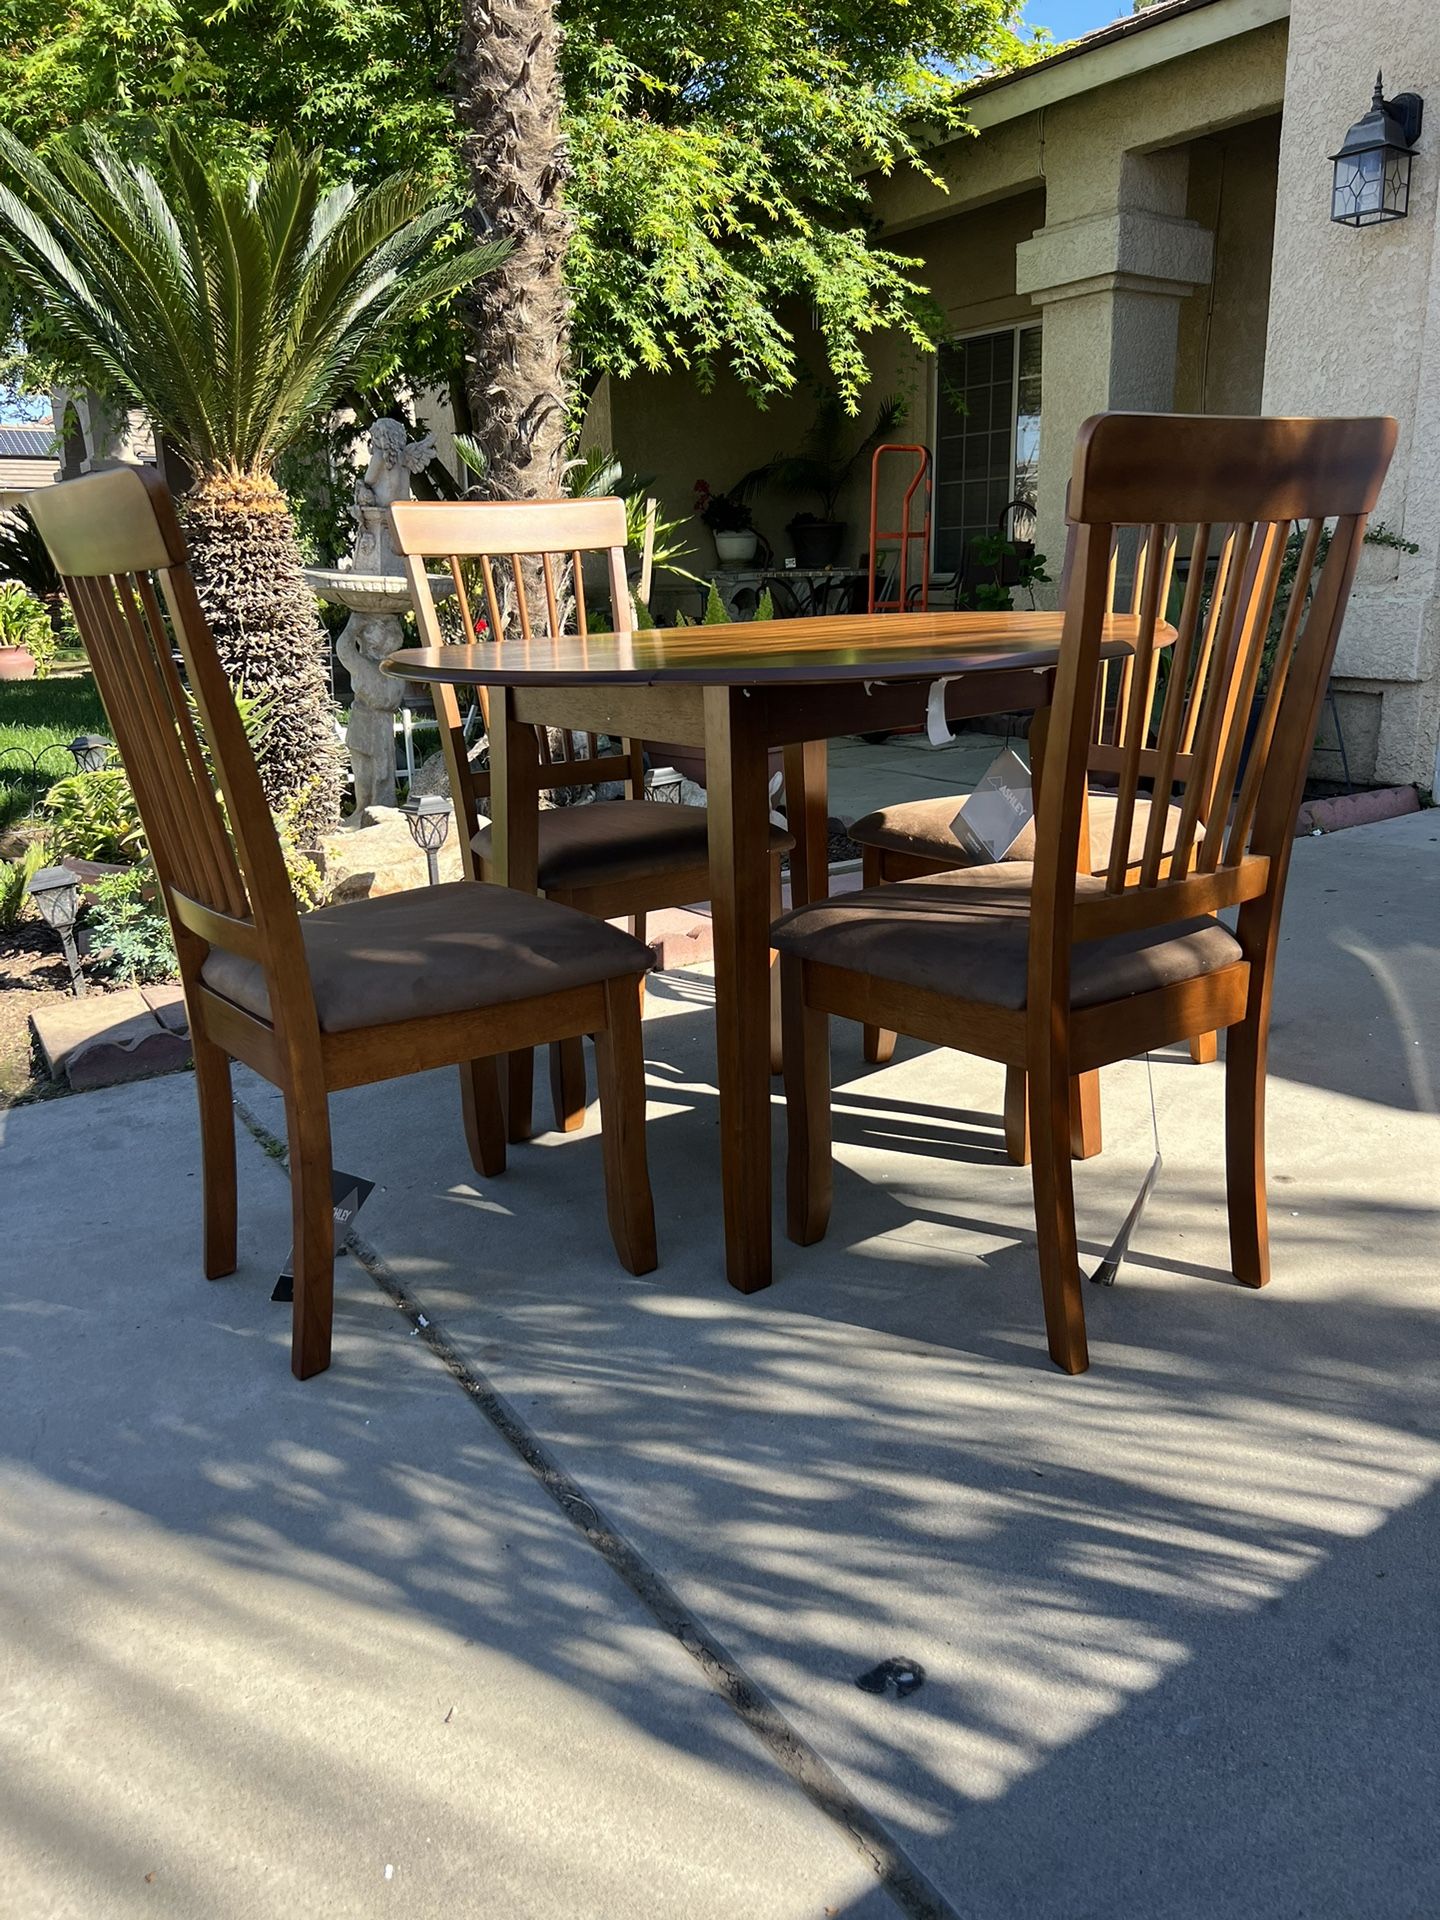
(558, 1602)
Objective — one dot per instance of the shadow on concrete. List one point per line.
(1175, 1617)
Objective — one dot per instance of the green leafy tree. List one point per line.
(232, 310)
(696, 184)
(723, 156)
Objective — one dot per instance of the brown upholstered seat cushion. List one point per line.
(444, 949)
(925, 828)
(616, 840)
(966, 933)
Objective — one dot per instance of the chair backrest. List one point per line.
(524, 561)
(1280, 506)
(121, 557)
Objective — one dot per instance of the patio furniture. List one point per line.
(916, 838)
(611, 858)
(1056, 971)
(739, 692)
(346, 995)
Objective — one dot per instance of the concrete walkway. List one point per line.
(1175, 1618)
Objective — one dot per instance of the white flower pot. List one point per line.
(734, 549)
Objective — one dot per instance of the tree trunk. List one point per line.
(508, 104)
(246, 563)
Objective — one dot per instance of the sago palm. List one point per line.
(232, 311)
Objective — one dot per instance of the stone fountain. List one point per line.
(371, 584)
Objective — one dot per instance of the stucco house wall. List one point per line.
(1355, 328)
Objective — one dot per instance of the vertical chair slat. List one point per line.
(1279, 673)
(1134, 720)
(1224, 561)
(552, 605)
(462, 599)
(522, 598)
(577, 578)
(1209, 696)
(214, 835)
(1249, 651)
(1174, 708)
(492, 599)
(153, 756)
(97, 614)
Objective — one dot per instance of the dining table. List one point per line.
(739, 692)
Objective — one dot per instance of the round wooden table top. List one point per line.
(826, 648)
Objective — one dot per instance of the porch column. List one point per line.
(1110, 278)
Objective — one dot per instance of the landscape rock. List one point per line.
(379, 858)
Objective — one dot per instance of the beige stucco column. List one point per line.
(1110, 278)
(1355, 328)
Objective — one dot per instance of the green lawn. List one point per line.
(36, 715)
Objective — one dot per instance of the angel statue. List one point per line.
(393, 461)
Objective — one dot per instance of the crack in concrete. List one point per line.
(908, 1886)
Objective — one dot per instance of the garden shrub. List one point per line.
(93, 816)
(15, 877)
(130, 935)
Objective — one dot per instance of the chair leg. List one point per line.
(520, 1094)
(217, 1155)
(777, 907)
(307, 1125)
(1017, 1117)
(808, 1171)
(1084, 1116)
(1245, 1051)
(1085, 1136)
(568, 1083)
(620, 1070)
(877, 1044)
(1055, 1239)
(1204, 1047)
(484, 1116)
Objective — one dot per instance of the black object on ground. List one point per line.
(903, 1676)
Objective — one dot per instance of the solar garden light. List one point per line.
(664, 784)
(90, 751)
(428, 817)
(56, 892)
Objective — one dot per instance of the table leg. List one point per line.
(737, 769)
(514, 861)
(807, 808)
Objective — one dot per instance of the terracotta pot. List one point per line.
(16, 663)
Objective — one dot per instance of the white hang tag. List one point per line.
(994, 816)
(937, 727)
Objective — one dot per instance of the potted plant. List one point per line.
(26, 638)
(729, 519)
(820, 471)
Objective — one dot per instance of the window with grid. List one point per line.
(987, 436)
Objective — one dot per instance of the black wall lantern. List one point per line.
(1372, 168)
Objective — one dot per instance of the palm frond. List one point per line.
(229, 311)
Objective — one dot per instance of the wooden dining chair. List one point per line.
(346, 995)
(915, 838)
(623, 858)
(1056, 971)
